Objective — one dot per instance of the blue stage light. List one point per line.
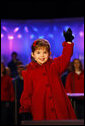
(41, 37)
(35, 29)
(31, 36)
(52, 30)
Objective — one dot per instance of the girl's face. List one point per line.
(41, 55)
(76, 64)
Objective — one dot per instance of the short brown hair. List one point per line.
(39, 43)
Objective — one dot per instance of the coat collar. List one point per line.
(35, 64)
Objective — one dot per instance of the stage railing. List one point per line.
(57, 122)
(75, 96)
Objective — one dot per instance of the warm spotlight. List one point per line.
(16, 29)
(4, 28)
(2, 35)
(81, 34)
(10, 37)
(19, 36)
(26, 29)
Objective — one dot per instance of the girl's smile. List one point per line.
(41, 55)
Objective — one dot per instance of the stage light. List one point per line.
(81, 34)
(81, 57)
(26, 29)
(10, 37)
(2, 35)
(4, 28)
(35, 29)
(16, 29)
(31, 36)
(19, 36)
(41, 37)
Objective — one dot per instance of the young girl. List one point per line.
(43, 94)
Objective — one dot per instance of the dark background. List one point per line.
(42, 9)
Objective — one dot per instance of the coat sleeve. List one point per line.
(68, 83)
(26, 96)
(62, 61)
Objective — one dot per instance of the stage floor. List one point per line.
(58, 122)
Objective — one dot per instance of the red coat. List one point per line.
(43, 93)
(7, 90)
(75, 83)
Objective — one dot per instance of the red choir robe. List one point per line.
(7, 90)
(43, 94)
(75, 83)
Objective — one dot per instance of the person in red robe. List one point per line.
(75, 79)
(43, 94)
(75, 84)
(7, 98)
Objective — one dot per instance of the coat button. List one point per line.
(50, 97)
(52, 109)
(47, 85)
(44, 74)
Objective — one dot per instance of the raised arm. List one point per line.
(62, 61)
